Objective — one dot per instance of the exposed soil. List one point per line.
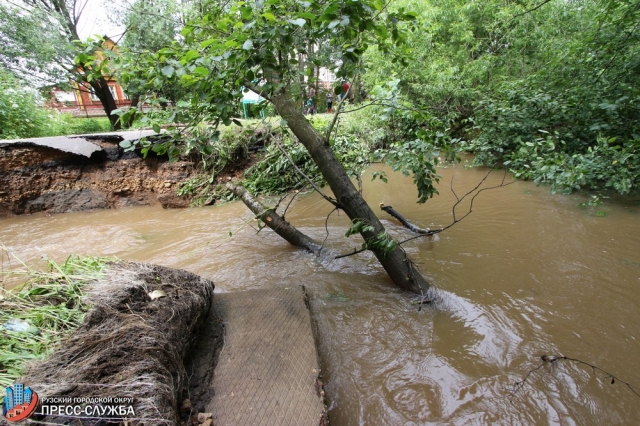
(35, 178)
(41, 179)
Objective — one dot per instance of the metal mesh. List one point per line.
(267, 371)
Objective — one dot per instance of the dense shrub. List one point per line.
(20, 113)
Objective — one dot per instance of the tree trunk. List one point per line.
(399, 267)
(101, 89)
(274, 221)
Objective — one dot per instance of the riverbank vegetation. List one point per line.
(22, 114)
(40, 313)
(548, 90)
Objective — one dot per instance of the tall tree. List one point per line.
(256, 45)
(39, 43)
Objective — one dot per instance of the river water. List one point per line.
(528, 273)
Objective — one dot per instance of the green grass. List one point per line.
(78, 126)
(52, 304)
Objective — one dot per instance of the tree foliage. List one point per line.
(20, 113)
(550, 89)
(56, 59)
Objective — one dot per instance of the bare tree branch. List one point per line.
(426, 232)
(553, 360)
(529, 10)
(355, 251)
(326, 228)
(289, 204)
(453, 210)
(271, 219)
(393, 212)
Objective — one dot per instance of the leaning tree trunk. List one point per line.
(101, 89)
(275, 221)
(396, 263)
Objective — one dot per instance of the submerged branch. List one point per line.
(426, 232)
(475, 191)
(553, 360)
(268, 215)
(393, 212)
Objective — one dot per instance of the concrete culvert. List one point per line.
(132, 344)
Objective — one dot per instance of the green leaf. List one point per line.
(248, 44)
(82, 58)
(191, 55)
(208, 43)
(299, 22)
(246, 13)
(333, 23)
(156, 127)
(168, 71)
(201, 71)
(307, 15)
(268, 16)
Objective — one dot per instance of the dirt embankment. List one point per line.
(37, 178)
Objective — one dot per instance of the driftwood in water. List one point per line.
(275, 221)
(393, 212)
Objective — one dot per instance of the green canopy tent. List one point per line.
(249, 97)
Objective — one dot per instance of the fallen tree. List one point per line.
(274, 221)
(217, 65)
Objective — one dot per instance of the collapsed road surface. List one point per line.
(74, 173)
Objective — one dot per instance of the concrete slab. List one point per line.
(268, 368)
(128, 135)
(78, 144)
(73, 145)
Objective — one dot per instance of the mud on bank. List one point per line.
(36, 177)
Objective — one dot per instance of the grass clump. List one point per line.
(50, 303)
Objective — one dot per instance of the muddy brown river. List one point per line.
(528, 273)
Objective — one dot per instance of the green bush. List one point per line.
(571, 139)
(20, 113)
(23, 116)
(274, 173)
(79, 126)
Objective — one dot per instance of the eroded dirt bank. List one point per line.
(36, 178)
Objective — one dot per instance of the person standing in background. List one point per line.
(345, 86)
(312, 102)
(329, 102)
